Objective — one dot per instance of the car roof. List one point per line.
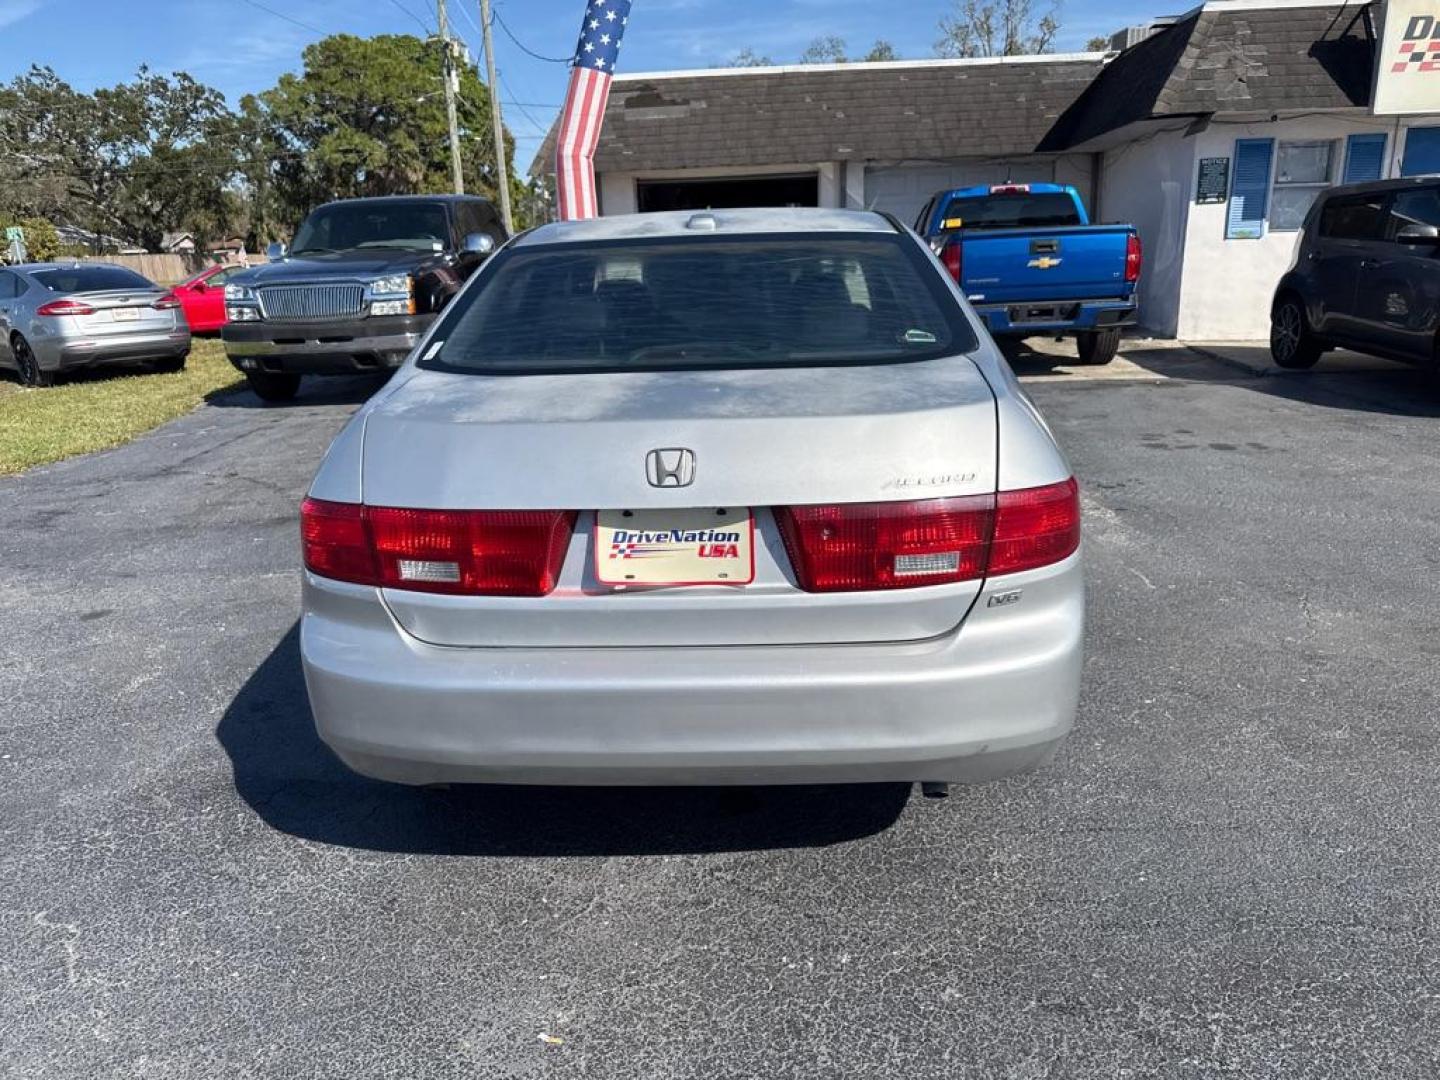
(1398, 184)
(383, 199)
(70, 265)
(745, 222)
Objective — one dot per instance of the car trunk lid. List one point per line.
(760, 439)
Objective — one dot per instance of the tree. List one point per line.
(824, 50)
(996, 28)
(1098, 44)
(42, 242)
(748, 57)
(137, 159)
(366, 116)
(882, 50)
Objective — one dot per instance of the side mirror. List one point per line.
(275, 251)
(1418, 234)
(479, 243)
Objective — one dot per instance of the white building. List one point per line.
(1213, 135)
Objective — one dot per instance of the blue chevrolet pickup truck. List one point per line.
(1031, 263)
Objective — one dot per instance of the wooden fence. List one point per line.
(165, 269)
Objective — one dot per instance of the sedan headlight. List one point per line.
(243, 293)
(242, 314)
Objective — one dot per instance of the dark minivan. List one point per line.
(1366, 277)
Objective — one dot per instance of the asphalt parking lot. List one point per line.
(1232, 870)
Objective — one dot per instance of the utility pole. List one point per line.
(502, 169)
(457, 172)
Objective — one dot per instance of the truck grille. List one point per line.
(297, 303)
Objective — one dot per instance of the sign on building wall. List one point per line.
(1213, 184)
(1407, 74)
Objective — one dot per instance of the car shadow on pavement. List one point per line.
(318, 390)
(288, 777)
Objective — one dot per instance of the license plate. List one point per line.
(675, 547)
(124, 314)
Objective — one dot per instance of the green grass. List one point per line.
(98, 410)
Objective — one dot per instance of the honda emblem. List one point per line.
(671, 467)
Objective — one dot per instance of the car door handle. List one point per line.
(1369, 264)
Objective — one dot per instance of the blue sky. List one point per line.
(238, 48)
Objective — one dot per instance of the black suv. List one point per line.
(362, 284)
(1366, 277)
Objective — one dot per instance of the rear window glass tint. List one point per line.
(1019, 210)
(716, 303)
(90, 279)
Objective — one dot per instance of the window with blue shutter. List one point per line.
(1422, 152)
(1364, 158)
(1250, 189)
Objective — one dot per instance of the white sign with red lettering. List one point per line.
(1407, 71)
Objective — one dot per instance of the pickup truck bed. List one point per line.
(1051, 272)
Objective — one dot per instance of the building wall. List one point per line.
(1227, 285)
(1150, 184)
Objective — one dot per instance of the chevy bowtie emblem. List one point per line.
(673, 467)
(1045, 262)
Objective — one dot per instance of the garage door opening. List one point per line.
(728, 193)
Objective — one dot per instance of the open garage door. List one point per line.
(727, 193)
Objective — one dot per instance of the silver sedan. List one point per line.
(733, 497)
(55, 317)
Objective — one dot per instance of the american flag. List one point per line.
(584, 112)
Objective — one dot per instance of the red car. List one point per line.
(203, 298)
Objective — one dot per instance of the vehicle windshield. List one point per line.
(1011, 210)
(346, 226)
(74, 279)
(703, 303)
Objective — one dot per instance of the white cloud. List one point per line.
(12, 11)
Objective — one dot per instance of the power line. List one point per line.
(287, 18)
(423, 25)
(523, 47)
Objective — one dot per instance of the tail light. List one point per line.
(168, 302)
(459, 552)
(953, 258)
(1009, 189)
(872, 546)
(1134, 258)
(56, 308)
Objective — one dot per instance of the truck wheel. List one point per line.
(1292, 345)
(273, 386)
(1099, 346)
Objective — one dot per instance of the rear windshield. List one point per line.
(91, 279)
(1011, 210)
(687, 302)
(346, 226)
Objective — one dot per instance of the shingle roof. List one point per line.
(1265, 60)
(892, 111)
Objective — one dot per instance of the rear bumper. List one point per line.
(61, 353)
(991, 699)
(341, 347)
(1057, 317)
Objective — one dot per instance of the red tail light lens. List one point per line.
(871, 546)
(1035, 527)
(56, 308)
(1134, 258)
(471, 552)
(904, 545)
(953, 259)
(458, 552)
(168, 302)
(335, 541)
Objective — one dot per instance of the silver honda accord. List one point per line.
(735, 497)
